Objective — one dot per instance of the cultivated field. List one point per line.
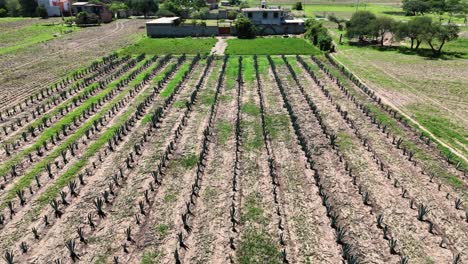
(202, 159)
(39, 54)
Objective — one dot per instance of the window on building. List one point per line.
(249, 15)
(275, 14)
(265, 14)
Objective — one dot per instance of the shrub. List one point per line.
(164, 13)
(41, 12)
(3, 12)
(232, 14)
(200, 14)
(298, 6)
(244, 27)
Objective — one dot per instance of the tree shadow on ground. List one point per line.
(395, 13)
(423, 52)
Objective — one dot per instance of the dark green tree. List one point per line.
(244, 28)
(298, 6)
(414, 30)
(413, 7)
(439, 35)
(144, 6)
(41, 12)
(28, 7)
(361, 25)
(383, 26)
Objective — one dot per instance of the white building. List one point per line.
(54, 7)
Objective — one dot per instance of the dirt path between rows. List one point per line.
(406, 115)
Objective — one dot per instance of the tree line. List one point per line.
(368, 28)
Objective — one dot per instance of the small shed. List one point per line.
(100, 10)
(265, 16)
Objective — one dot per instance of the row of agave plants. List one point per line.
(422, 209)
(275, 179)
(56, 137)
(449, 157)
(13, 144)
(340, 231)
(118, 180)
(46, 92)
(397, 142)
(56, 106)
(233, 212)
(97, 127)
(191, 203)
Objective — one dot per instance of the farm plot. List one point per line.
(232, 159)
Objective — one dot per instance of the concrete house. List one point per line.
(100, 10)
(273, 20)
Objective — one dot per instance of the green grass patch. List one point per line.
(232, 68)
(270, 46)
(178, 77)
(189, 161)
(150, 257)
(223, 131)
(170, 197)
(253, 212)
(15, 40)
(207, 97)
(248, 70)
(162, 46)
(344, 142)
(180, 104)
(250, 109)
(277, 124)
(257, 246)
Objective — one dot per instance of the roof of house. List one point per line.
(163, 20)
(294, 21)
(85, 4)
(255, 9)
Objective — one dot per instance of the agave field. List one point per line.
(228, 159)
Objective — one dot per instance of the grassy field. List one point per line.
(263, 46)
(432, 91)
(11, 19)
(153, 46)
(14, 40)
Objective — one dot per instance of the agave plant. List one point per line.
(70, 244)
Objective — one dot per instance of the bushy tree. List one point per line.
(144, 6)
(41, 12)
(413, 7)
(318, 35)
(440, 34)
(244, 27)
(28, 7)
(298, 6)
(382, 26)
(414, 30)
(200, 14)
(13, 7)
(3, 12)
(337, 20)
(361, 25)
